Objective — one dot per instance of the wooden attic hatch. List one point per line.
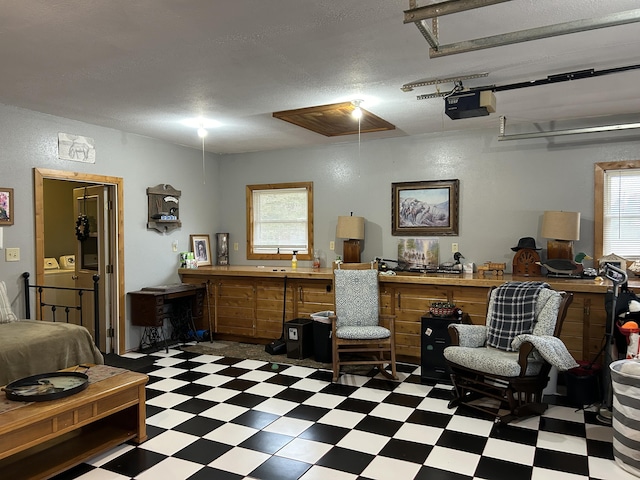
(334, 120)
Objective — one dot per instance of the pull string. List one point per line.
(359, 156)
(204, 179)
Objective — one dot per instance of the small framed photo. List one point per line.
(6, 206)
(426, 208)
(201, 247)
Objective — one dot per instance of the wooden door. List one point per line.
(235, 306)
(271, 311)
(411, 303)
(93, 257)
(313, 296)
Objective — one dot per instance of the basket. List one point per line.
(442, 309)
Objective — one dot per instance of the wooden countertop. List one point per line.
(405, 278)
(259, 271)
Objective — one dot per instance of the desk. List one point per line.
(181, 303)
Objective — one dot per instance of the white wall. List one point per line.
(30, 139)
(504, 188)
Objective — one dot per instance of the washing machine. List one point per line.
(57, 276)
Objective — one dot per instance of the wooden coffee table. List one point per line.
(42, 439)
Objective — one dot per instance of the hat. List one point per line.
(526, 242)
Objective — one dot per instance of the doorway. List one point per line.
(112, 304)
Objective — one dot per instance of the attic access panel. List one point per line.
(334, 120)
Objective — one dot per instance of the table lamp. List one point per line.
(561, 228)
(352, 229)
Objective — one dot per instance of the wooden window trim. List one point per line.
(598, 210)
(249, 202)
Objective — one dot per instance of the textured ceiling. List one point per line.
(144, 66)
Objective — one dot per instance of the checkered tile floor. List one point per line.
(211, 417)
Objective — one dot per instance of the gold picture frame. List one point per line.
(6, 206)
(425, 208)
(201, 247)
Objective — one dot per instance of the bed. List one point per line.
(29, 347)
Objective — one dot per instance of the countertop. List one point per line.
(406, 278)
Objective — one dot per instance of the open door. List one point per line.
(93, 256)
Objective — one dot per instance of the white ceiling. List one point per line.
(143, 66)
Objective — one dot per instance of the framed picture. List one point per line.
(428, 208)
(201, 247)
(6, 206)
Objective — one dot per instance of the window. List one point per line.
(279, 221)
(617, 209)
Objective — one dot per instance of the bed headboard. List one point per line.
(53, 307)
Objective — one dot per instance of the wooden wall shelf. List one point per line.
(164, 212)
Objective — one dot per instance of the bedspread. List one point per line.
(29, 347)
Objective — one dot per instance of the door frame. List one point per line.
(117, 237)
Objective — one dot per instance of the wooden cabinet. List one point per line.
(234, 301)
(270, 298)
(312, 296)
(247, 303)
(409, 303)
(252, 308)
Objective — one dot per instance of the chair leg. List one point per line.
(336, 363)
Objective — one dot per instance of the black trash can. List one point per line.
(322, 350)
(299, 334)
(583, 384)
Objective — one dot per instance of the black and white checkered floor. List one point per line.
(211, 417)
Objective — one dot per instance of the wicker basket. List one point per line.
(442, 309)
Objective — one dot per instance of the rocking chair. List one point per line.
(359, 334)
(507, 359)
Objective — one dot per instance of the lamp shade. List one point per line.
(561, 225)
(350, 227)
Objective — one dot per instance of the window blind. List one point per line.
(621, 212)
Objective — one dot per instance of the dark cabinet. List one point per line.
(434, 338)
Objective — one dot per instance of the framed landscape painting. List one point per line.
(425, 208)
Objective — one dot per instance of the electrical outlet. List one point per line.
(12, 254)
(454, 248)
(235, 246)
(332, 245)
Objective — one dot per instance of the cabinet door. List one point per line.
(595, 324)
(472, 301)
(313, 296)
(235, 306)
(584, 326)
(270, 305)
(411, 303)
(202, 305)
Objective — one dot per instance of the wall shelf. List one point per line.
(164, 212)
